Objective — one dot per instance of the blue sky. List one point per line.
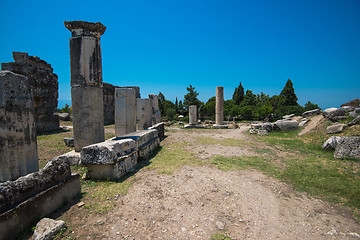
(168, 45)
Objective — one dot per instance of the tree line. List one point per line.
(242, 106)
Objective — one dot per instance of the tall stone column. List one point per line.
(156, 115)
(192, 114)
(125, 111)
(86, 82)
(219, 110)
(144, 113)
(18, 146)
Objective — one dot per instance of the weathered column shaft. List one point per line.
(219, 111)
(18, 146)
(156, 115)
(192, 114)
(144, 113)
(86, 82)
(125, 111)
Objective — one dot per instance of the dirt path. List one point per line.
(311, 124)
(196, 202)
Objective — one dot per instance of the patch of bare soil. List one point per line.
(314, 121)
(199, 201)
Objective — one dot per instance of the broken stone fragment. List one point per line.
(336, 128)
(47, 228)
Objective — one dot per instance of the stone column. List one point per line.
(125, 111)
(156, 115)
(192, 114)
(18, 146)
(144, 113)
(86, 82)
(219, 111)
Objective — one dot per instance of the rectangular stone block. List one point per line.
(192, 114)
(18, 145)
(88, 116)
(110, 159)
(144, 113)
(125, 111)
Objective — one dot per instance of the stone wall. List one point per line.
(43, 85)
(109, 101)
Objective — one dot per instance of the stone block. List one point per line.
(311, 112)
(348, 147)
(73, 157)
(192, 114)
(286, 125)
(160, 127)
(110, 159)
(125, 111)
(336, 128)
(18, 146)
(144, 113)
(46, 229)
(28, 212)
(88, 116)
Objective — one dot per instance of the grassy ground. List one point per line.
(298, 160)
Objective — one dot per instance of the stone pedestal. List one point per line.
(219, 110)
(18, 148)
(86, 82)
(192, 114)
(125, 111)
(144, 113)
(156, 115)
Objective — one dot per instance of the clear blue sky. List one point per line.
(168, 45)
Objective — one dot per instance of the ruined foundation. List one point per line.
(43, 85)
(18, 146)
(86, 82)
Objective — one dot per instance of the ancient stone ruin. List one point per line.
(109, 101)
(125, 111)
(192, 114)
(219, 108)
(86, 82)
(18, 155)
(44, 88)
(26, 193)
(156, 115)
(144, 113)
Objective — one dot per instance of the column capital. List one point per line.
(83, 28)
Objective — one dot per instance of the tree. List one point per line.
(208, 110)
(238, 95)
(264, 111)
(191, 98)
(310, 106)
(161, 100)
(290, 98)
(176, 102)
(249, 99)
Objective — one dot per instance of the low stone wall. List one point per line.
(14, 192)
(27, 213)
(118, 156)
(160, 127)
(29, 198)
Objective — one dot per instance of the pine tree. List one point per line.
(288, 93)
(191, 98)
(238, 95)
(176, 102)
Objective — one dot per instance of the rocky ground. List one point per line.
(199, 201)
